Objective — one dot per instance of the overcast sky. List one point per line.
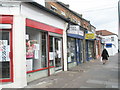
(103, 14)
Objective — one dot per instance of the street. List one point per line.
(92, 74)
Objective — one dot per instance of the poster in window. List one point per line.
(4, 50)
(1, 50)
(69, 59)
(59, 50)
(30, 47)
(51, 55)
(36, 47)
(29, 64)
(36, 55)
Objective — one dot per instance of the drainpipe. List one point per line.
(48, 39)
(84, 48)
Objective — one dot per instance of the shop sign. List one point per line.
(106, 39)
(5, 26)
(75, 29)
(90, 36)
(109, 45)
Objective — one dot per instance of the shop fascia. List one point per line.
(5, 26)
(75, 29)
(90, 35)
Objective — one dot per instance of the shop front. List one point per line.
(6, 51)
(90, 50)
(90, 46)
(43, 50)
(74, 46)
(30, 46)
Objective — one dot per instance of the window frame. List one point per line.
(8, 19)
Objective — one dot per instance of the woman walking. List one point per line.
(105, 56)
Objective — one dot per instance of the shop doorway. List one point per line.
(79, 51)
(56, 52)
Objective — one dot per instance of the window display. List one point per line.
(30, 48)
(90, 49)
(35, 49)
(4, 54)
(71, 49)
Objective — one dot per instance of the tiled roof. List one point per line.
(104, 33)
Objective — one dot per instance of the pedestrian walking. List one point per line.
(105, 56)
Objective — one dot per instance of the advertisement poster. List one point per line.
(59, 50)
(36, 55)
(4, 50)
(51, 55)
(69, 59)
(29, 64)
(30, 47)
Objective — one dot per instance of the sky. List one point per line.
(103, 14)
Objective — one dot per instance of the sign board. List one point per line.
(29, 64)
(5, 26)
(109, 45)
(75, 29)
(90, 36)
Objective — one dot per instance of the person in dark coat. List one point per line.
(105, 56)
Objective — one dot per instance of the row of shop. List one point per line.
(37, 45)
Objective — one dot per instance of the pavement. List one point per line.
(92, 74)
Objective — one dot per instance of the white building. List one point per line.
(32, 35)
(109, 41)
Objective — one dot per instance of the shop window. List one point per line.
(63, 13)
(90, 49)
(4, 54)
(53, 8)
(79, 23)
(71, 50)
(35, 49)
(112, 38)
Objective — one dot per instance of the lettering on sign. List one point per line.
(75, 29)
(90, 36)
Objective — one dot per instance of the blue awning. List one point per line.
(75, 36)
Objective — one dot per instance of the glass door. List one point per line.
(56, 52)
(5, 56)
(78, 51)
(81, 50)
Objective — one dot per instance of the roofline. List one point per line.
(93, 26)
(69, 9)
(47, 10)
(52, 12)
(110, 34)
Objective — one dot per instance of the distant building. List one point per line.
(109, 41)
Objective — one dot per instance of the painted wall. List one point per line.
(41, 16)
